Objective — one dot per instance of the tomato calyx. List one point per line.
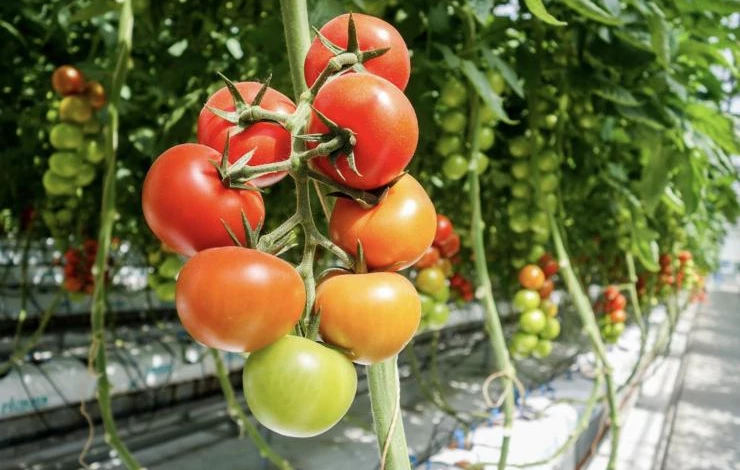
(367, 199)
(338, 142)
(246, 114)
(344, 59)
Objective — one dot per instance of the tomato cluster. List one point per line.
(202, 199)
(538, 324)
(78, 264)
(452, 119)
(75, 139)
(612, 304)
(434, 275)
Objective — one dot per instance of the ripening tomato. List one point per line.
(550, 308)
(618, 316)
(550, 268)
(431, 280)
(75, 109)
(547, 287)
(451, 246)
(372, 316)
(611, 293)
(531, 277)
(372, 33)
(428, 259)
(184, 201)
(67, 80)
(238, 299)
(394, 234)
(445, 265)
(684, 256)
(618, 303)
(269, 140)
(95, 93)
(278, 379)
(383, 122)
(665, 259)
(444, 229)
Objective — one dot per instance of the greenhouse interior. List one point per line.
(510, 241)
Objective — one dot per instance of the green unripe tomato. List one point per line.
(520, 170)
(533, 321)
(439, 315)
(453, 121)
(86, 175)
(449, 144)
(64, 216)
(453, 93)
(520, 147)
(523, 343)
(521, 190)
(549, 121)
(516, 207)
(518, 263)
(443, 294)
(539, 222)
(542, 349)
(165, 291)
(455, 167)
(170, 267)
(548, 183)
(617, 329)
(551, 330)
(519, 223)
(481, 162)
(548, 202)
(278, 378)
(486, 116)
(486, 138)
(496, 81)
(535, 253)
(526, 300)
(94, 152)
(547, 161)
(427, 303)
(65, 164)
(541, 237)
(92, 126)
(431, 280)
(66, 136)
(56, 185)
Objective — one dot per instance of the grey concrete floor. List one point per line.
(706, 430)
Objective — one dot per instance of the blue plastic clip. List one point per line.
(459, 436)
(493, 415)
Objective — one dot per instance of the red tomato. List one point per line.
(382, 120)
(550, 268)
(547, 287)
(618, 303)
(531, 277)
(457, 280)
(184, 201)
(270, 140)
(428, 259)
(444, 230)
(238, 299)
(96, 94)
(684, 256)
(451, 246)
(372, 33)
(618, 316)
(372, 315)
(611, 293)
(665, 259)
(67, 80)
(394, 234)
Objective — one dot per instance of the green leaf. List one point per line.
(178, 48)
(450, 58)
(13, 31)
(640, 115)
(481, 85)
(704, 53)
(438, 19)
(725, 7)
(714, 125)
(615, 94)
(659, 36)
(647, 253)
(672, 201)
(539, 10)
(506, 71)
(592, 11)
(94, 9)
(655, 175)
(482, 10)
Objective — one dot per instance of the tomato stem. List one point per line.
(241, 419)
(384, 388)
(97, 353)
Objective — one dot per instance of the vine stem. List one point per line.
(585, 312)
(384, 388)
(485, 290)
(240, 417)
(97, 355)
(637, 311)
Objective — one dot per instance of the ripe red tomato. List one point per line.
(531, 277)
(184, 201)
(550, 268)
(611, 293)
(371, 315)
(444, 229)
(384, 124)
(428, 259)
(95, 93)
(547, 287)
(684, 256)
(618, 316)
(394, 234)
(67, 80)
(451, 246)
(238, 299)
(278, 378)
(665, 259)
(618, 303)
(372, 33)
(270, 140)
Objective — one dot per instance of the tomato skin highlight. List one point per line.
(238, 299)
(383, 121)
(373, 316)
(67, 80)
(270, 140)
(184, 201)
(394, 234)
(278, 379)
(372, 33)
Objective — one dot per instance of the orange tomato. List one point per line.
(531, 277)
(394, 234)
(372, 316)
